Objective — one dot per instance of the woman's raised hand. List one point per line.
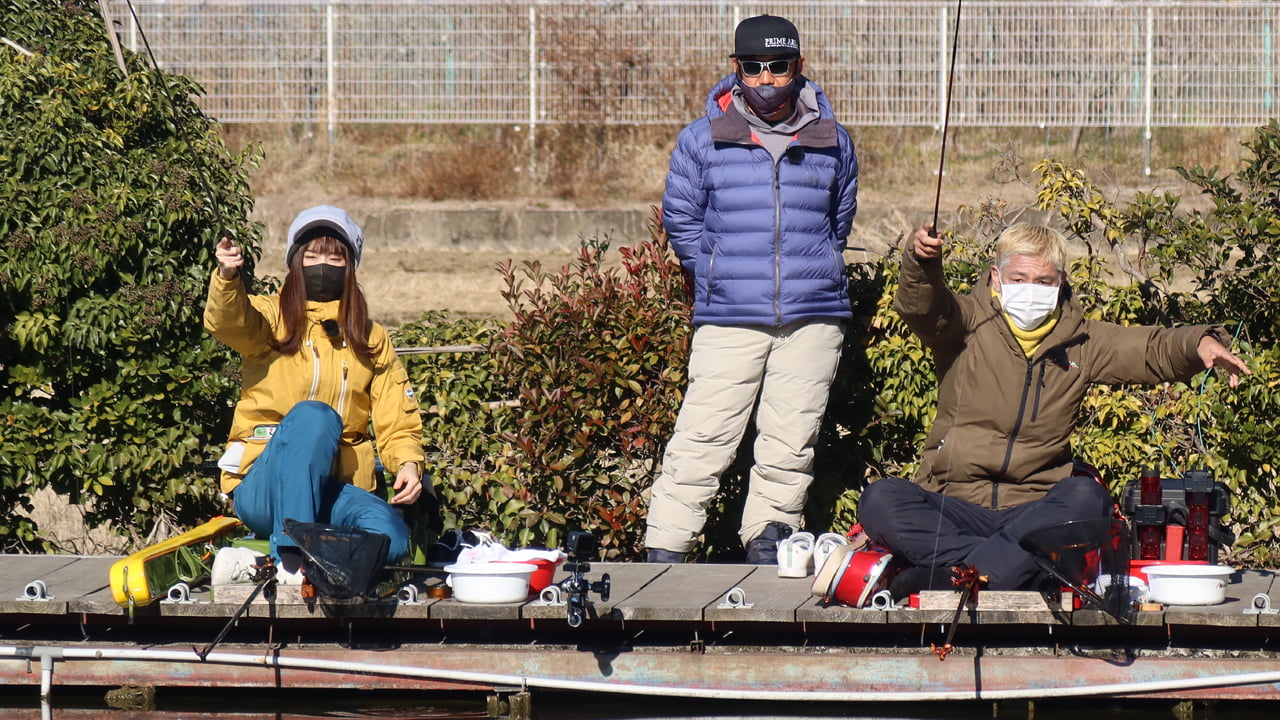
(229, 258)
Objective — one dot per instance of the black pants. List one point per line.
(929, 529)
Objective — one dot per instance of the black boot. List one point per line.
(763, 549)
(664, 557)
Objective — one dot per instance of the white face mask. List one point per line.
(1028, 304)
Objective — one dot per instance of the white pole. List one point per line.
(1148, 92)
(942, 67)
(331, 72)
(276, 660)
(533, 91)
(133, 34)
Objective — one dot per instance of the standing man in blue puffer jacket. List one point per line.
(759, 202)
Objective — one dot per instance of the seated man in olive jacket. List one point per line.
(1014, 360)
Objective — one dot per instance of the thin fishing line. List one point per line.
(1205, 379)
(937, 198)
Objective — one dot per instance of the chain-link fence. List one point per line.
(1117, 63)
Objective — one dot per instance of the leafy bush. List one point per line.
(1202, 266)
(465, 415)
(1223, 254)
(560, 423)
(597, 356)
(114, 191)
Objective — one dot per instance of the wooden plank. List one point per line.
(280, 601)
(18, 570)
(1002, 607)
(1241, 588)
(814, 612)
(626, 580)
(98, 602)
(1266, 584)
(771, 599)
(62, 584)
(1092, 617)
(681, 593)
(86, 583)
(1257, 583)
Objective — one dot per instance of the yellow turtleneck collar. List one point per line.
(1029, 340)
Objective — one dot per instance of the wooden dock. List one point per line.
(699, 631)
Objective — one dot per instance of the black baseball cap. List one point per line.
(766, 35)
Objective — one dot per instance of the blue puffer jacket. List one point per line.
(762, 241)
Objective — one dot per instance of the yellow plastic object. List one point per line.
(146, 575)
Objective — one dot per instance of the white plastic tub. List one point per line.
(490, 583)
(1188, 584)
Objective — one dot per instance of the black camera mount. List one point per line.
(580, 545)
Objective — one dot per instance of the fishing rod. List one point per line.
(966, 580)
(138, 24)
(946, 113)
(263, 575)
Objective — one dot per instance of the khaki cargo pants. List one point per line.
(782, 374)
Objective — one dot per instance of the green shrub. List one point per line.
(1225, 253)
(597, 356)
(560, 422)
(465, 413)
(114, 191)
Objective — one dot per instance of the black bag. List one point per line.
(341, 562)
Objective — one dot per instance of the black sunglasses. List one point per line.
(753, 68)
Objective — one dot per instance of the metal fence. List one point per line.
(1116, 63)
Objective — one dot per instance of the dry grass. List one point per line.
(593, 166)
(988, 171)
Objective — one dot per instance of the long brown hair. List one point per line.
(353, 311)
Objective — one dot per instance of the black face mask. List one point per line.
(765, 100)
(325, 282)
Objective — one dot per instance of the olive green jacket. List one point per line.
(1002, 433)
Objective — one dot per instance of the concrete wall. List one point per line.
(470, 228)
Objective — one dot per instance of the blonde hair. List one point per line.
(1033, 240)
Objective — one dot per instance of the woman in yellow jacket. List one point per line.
(317, 376)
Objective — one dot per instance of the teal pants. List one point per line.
(292, 479)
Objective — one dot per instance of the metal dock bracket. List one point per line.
(36, 591)
(1260, 605)
(735, 599)
(179, 593)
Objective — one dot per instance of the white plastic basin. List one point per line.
(1188, 584)
(490, 582)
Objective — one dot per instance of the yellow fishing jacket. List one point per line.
(364, 393)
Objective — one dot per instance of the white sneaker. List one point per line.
(233, 565)
(795, 555)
